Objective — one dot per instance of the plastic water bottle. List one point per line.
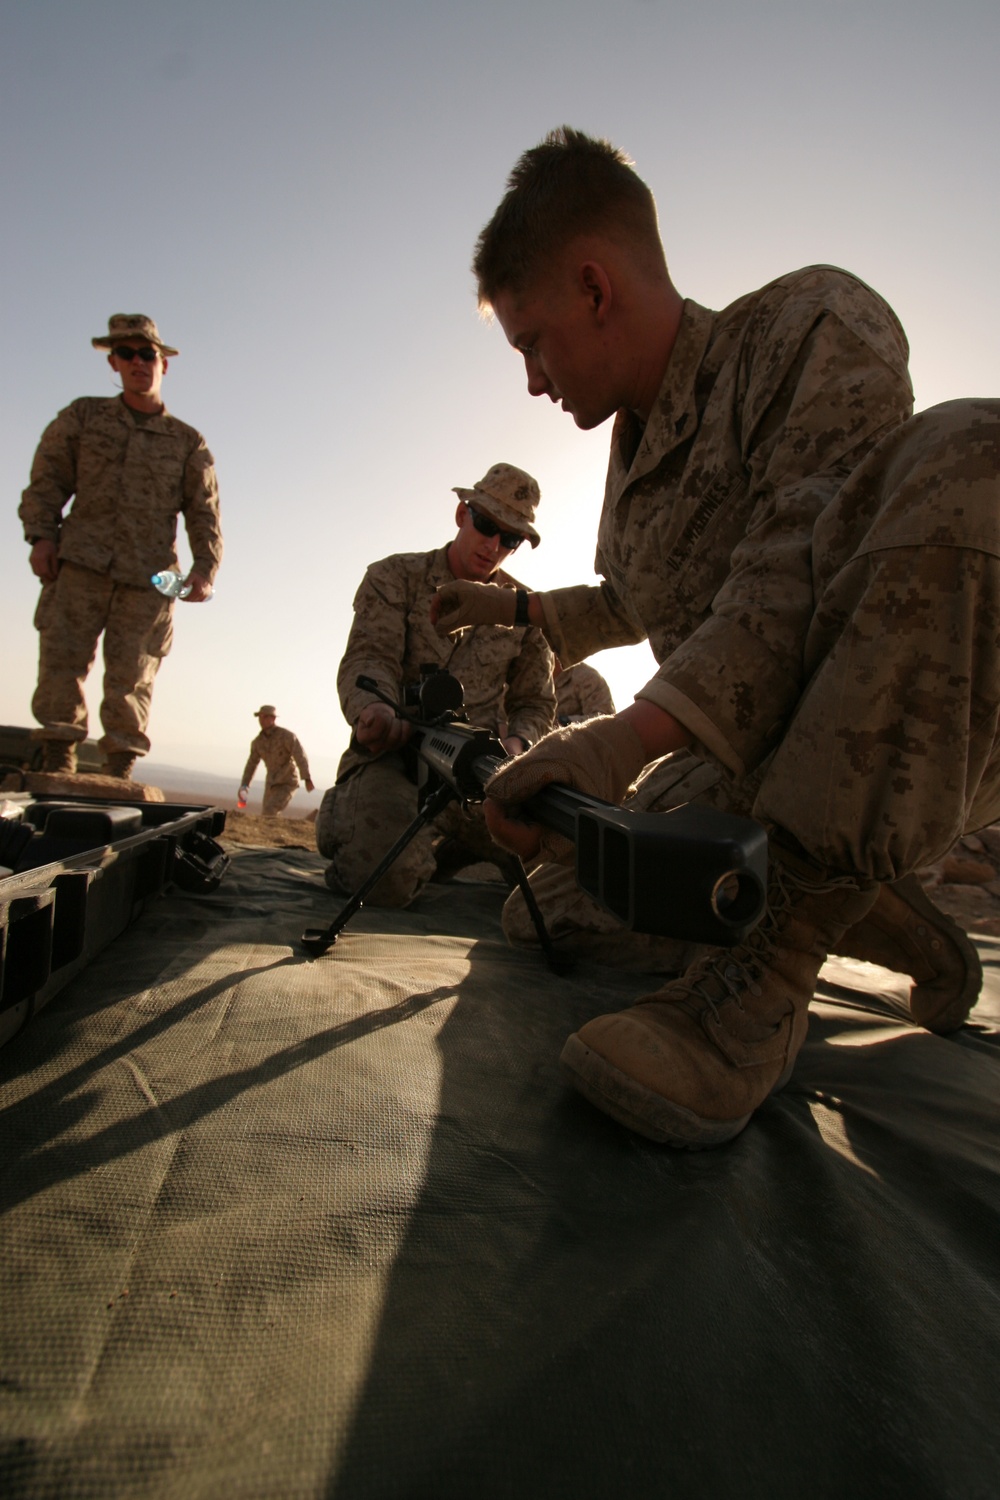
(241, 797)
(173, 585)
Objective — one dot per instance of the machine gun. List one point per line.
(693, 872)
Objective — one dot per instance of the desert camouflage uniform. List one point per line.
(131, 478)
(284, 759)
(816, 575)
(507, 677)
(581, 692)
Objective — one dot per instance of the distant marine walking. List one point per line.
(284, 759)
(131, 469)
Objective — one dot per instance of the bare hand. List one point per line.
(201, 589)
(514, 834)
(378, 729)
(44, 560)
(310, 787)
(514, 745)
(462, 603)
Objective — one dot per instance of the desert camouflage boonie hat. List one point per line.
(123, 326)
(509, 497)
(266, 708)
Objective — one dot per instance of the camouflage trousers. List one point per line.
(138, 631)
(361, 817)
(277, 795)
(893, 750)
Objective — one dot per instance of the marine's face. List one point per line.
(139, 377)
(471, 555)
(559, 330)
(266, 721)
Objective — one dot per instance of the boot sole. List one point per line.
(638, 1108)
(950, 1017)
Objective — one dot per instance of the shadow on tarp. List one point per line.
(567, 1310)
(810, 1310)
(55, 1103)
(38, 1119)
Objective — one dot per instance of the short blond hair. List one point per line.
(568, 185)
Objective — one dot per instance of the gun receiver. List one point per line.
(693, 872)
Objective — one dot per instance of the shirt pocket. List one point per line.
(153, 478)
(481, 664)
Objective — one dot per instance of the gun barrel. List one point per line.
(693, 872)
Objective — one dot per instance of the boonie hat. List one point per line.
(509, 496)
(266, 708)
(123, 326)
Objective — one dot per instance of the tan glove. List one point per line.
(464, 603)
(601, 757)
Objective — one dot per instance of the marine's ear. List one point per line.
(595, 284)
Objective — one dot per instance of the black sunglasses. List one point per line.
(509, 540)
(125, 351)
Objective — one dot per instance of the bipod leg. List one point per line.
(317, 940)
(559, 963)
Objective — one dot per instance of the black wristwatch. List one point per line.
(521, 608)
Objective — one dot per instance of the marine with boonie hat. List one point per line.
(130, 468)
(124, 327)
(283, 757)
(509, 496)
(506, 674)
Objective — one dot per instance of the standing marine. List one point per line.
(130, 469)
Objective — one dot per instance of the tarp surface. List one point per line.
(275, 1226)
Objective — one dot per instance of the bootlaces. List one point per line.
(738, 970)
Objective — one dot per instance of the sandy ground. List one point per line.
(966, 883)
(273, 833)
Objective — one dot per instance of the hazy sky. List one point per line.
(293, 191)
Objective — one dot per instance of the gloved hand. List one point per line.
(465, 603)
(602, 757)
(378, 729)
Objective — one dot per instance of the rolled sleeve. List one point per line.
(586, 618)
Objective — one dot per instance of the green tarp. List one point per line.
(282, 1227)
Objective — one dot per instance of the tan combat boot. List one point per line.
(906, 932)
(59, 757)
(689, 1064)
(119, 763)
